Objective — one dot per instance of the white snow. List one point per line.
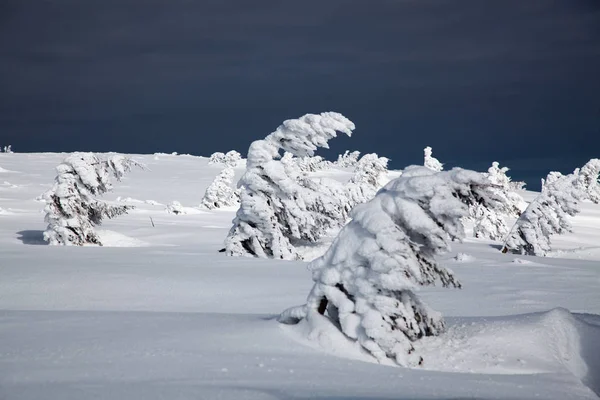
(176, 319)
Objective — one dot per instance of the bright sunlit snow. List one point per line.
(159, 313)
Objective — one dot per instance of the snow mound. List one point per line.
(2, 170)
(464, 257)
(115, 239)
(548, 342)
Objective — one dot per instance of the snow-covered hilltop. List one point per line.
(158, 312)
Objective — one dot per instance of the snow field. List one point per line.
(162, 314)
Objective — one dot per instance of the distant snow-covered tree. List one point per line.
(491, 224)
(230, 159)
(369, 176)
(220, 192)
(176, 208)
(313, 164)
(431, 162)
(72, 210)
(279, 207)
(8, 149)
(546, 215)
(216, 158)
(366, 282)
(348, 159)
(587, 180)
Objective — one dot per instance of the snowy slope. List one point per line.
(161, 314)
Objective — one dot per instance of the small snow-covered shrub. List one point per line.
(431, 162)
(279, 206)
(8, 149)
(312, 164)
(175, 208)
(230, 159)
(72, 211)
(366, 282)
(348, 159)
(220, 193)
(217, 158)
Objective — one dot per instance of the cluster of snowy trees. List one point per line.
(548, 214)
(281, 205)
(278, 206)
(72, 208)
(230, 159)
(389, 234)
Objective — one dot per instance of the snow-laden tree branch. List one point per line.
(71, 209)
(365, 283)
(279, 207)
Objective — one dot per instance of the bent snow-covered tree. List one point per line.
(72, 210)
(548, 214)
(431, 162)
(587, 180)
(277, 209)
(220, 192)
(365, 283)
(491, 224)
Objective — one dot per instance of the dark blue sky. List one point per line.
(516, 81)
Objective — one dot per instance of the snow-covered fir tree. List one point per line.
(8, 149)
(546, 215)
(220, 192)
(348, 159)
(278, 207)
(369, 176)
(72, 210)
(366, 282)
(431, 162)
(491, 224)
(229, 159)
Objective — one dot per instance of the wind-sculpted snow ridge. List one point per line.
(546, 342)
(366, 281)
(277, 206)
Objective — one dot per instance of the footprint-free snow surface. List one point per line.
(159, 313)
